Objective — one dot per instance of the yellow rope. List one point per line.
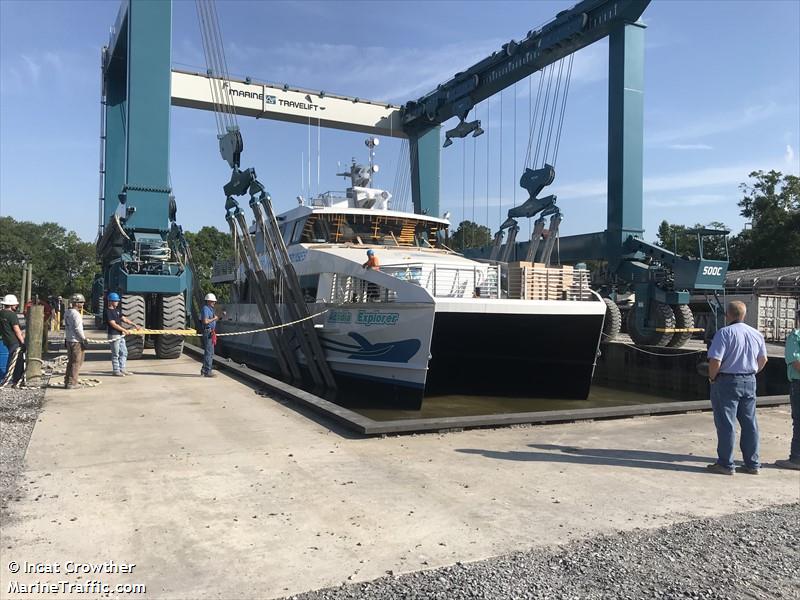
(193, 333)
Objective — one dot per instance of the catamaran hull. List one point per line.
(545, 353)
(395, 354)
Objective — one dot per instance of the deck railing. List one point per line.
(444, 281)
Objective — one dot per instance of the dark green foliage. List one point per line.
(772, 204)
(470, 235)
(62, 263)
(207, 245)
(676, 239)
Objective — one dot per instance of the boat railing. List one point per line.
(446, 281)
(350, 289)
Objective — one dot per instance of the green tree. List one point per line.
(62, 263)
(772, 203)
(676, 238)
(470, 235)
(207, 245)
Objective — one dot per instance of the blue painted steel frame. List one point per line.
(137, 86)
(425, 171)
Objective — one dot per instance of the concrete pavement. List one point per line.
(215, 491)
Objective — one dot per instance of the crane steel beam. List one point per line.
(572, 29)
(294, 105)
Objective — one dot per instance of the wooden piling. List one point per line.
(33, 340)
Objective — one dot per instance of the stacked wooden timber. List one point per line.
(535, 281)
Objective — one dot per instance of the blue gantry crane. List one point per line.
(659, 279)
(139, 244)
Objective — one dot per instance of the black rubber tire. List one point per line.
(683, 319)
(613, 322)
(172, 315)
(149, 344)
(133, 308)
(661, 317)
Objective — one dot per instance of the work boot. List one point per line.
(792, 464)
(127, 373)
(119, 374)
(210, 374)
(718, 469)
(748, 470)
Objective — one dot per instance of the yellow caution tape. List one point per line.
(193, 332)
(679, 329)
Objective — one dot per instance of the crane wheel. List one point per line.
(133, 307)
(172, 315)
(661, 317)
(683, 319)
(613, 321)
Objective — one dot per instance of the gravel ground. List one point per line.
(19, 410)
(746, 555)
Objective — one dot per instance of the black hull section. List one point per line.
(527, 356)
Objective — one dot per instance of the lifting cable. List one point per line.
(563, 110)
(500, 192)
(488, 128)
(532, 124)
(474, 169)
(217, 66)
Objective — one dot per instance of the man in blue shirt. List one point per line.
(792, 356)
(736, 354)
(209, 320)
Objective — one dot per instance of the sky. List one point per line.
(722, 98)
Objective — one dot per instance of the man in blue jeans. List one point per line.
(736, 354)
(792, 356)
(116, 333)
(209, 320)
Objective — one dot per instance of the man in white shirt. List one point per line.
(76, 340)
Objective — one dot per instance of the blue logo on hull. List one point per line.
(400, 351)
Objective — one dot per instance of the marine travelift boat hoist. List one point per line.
(141, 247)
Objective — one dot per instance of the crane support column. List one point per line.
(138, 75)
(625, 136)
(424, 161)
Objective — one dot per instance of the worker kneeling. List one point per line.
(76, 340)
(209, 320)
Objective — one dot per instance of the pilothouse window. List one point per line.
(384, 230)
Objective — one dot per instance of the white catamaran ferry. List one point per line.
(426, 319)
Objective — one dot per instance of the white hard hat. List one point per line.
(211, 298)
(9, 300)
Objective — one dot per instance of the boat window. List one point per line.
(299, 227)
(371, 229)
(309, 285)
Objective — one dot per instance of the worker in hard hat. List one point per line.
(792, 357)
(372, 261)
(13, 338)
(209, 319)
(75, 338)
(116, 333)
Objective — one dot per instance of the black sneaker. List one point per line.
(748, 470)
(793, 465)
(718, 469)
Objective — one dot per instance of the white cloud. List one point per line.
(690, 147)
(714, 124)
(789, 156)
(689, 200)
(684, 180)
(34, 68)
